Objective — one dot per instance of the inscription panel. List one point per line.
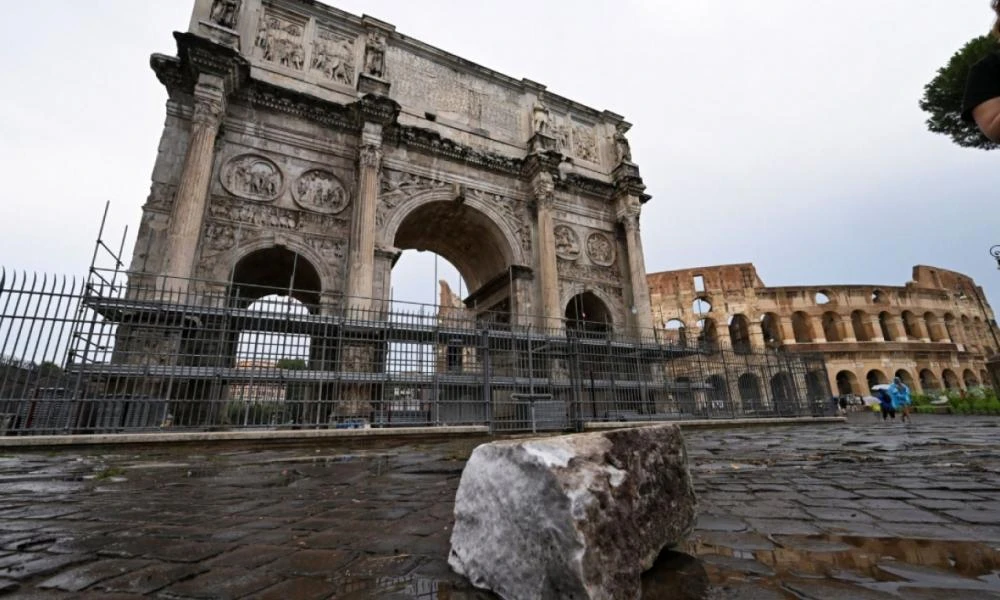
(421, 83)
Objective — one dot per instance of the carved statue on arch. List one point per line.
(540, 118)
(622, 150)
(225, 12)
(375, 55)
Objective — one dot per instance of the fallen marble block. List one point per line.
(572, 517)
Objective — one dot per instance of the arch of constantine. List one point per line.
(935, 332)
(305, 148)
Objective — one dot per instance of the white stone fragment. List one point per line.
(571, 517)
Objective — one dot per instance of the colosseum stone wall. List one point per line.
(936, 332)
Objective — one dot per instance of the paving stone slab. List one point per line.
(152, 578)
(975, 516)
(299, 588)
(251, 556)
(82, 577)
(227, 583)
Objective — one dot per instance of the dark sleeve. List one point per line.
(983, 83)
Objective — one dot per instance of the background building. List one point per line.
(936, 332)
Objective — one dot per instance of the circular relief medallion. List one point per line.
(600, 249)
(320, 191)
(252, 177)
(567, 242)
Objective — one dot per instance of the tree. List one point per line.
(292, 364)
(943, 96)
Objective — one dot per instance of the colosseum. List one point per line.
(936, 332)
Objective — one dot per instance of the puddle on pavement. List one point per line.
(887, 565)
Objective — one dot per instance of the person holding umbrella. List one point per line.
(899, 393)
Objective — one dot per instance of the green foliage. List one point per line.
(49, 369)
(253, 413)
(109, 472)
(921, 399)
(943, 96)
(292, 364)
(977, 401)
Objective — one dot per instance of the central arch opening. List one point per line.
(463, 236)
(454, 274)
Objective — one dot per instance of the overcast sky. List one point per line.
(782, 132)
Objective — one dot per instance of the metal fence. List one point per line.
(114, 353)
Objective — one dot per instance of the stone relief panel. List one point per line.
(320, 191)
(567, 242)
(397, 187)
(225, 12)
(561, 133)
(253, 177)
(580, 271)
(334, 250)
(280, 39)
(574, 139)
(333, 56)
(251, 214)
(585, 143)
(219, 238)
(438, 88)
(600, 249)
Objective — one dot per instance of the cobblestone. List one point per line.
(856, 510)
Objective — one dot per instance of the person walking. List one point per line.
(885, 403)
(899, 393)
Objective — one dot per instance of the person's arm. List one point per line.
(987, 117)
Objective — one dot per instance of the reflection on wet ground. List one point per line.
(862, 510)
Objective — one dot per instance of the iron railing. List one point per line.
(119, 353)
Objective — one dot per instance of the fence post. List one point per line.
(576, 383)
(487, 378)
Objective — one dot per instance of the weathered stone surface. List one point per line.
(578, 516)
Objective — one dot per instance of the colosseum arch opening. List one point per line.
(970, 379)
(862, 326)
(906, 378)
(929, 382)
(847, 384)
(876, 377)
(832, 327)
(951, 381)
(751, 393)
(739, 334)
(709, 334)
(883, 323)
(802, 327)
(675, 332)
(935, 328)
(770, 325)
(911, 326)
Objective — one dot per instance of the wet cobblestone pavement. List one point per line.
(861, 510)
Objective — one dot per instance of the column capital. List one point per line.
(543, 187)
(628, 211)
(209, 100)
(370, 155)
